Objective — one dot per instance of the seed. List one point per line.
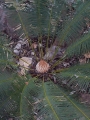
(42, 66)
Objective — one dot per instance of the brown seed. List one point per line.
(42, 66)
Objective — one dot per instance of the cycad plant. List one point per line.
(44, 60)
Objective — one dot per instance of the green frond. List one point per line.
(74, 25)
(44, 17)
(7, 105)
(77, 77)
(10, 93)
(46, 101)
(40, 18)
(79, 47)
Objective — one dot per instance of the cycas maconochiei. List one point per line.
(55, 35)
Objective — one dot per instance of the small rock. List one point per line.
(40, 45)
(50, 53)
(16, 51)
(24, 63)
(18, 46)
(65, 64)
(32, 53)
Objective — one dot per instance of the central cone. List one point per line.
(42, 66)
